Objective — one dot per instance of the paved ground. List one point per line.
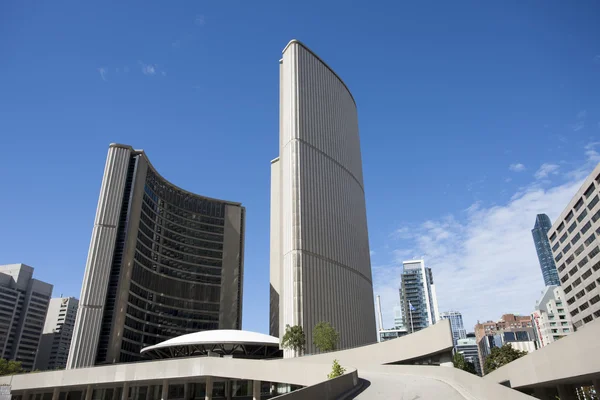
(405, 387)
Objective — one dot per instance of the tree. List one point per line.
(325, 337)
(294, 338)
(500, 356)
(10, 367)
(459, 362)
(336, 370)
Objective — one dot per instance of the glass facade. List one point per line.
(456, 325)
(416, 296)
(543, 249)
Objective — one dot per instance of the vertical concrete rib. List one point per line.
(95, 280)
(324, 249)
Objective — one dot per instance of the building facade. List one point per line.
(551, 319)
(320, 261)
(162, 262)
(23, 307)
(456, 324)
(543, 249)
(418, 296)
(467, 346)
(576, 251)
(515, 330)
(56, 337)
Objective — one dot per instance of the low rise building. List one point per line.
(551, 321)
(468, 348)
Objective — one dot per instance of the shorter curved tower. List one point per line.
(163, 262)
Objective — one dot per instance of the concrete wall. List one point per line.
(326, 390)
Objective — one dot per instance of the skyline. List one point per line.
(167, 84)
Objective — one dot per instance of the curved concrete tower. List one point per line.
(320, 261)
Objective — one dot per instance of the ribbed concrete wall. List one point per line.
(324, 239)
(95, 280)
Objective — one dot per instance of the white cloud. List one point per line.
(546, 170)
(483, 258)
(148, 69)
(103, 73)
(517, 167)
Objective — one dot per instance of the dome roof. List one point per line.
(221, 336)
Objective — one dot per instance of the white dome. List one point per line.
(219, 336)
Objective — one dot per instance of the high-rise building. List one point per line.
(320, 262)
(467, 346)
(23, 307)
(551, 319)
(575, 242)
(456, 324)
(418, 296)
(56, 337)
(515, 330)
(162, 262)
(544, 252)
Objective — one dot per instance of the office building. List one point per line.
(417, 296)
(320, 261)
(551, 319)
(514, 330)
(576, 251)
(23, 307)
(544, 252)
(467, 346)
(456, 324)
(56, 337)
(162, 262)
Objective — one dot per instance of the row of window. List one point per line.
(587, 194)
(174, 302)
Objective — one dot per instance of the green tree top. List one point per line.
(501, 356)
(459, 362)
(10, 367)
(325, 337)
(336, 370)
(293, 338)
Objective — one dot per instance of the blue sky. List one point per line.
(473, 118)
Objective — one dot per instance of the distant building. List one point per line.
(417, 296)
(398, 321)
(396, 332)
(23, 307)
(56, 337)
(544, 252)
(515, 330)
(468, 348)
(576, 251)
(551, 320)
(456, 324)
(388, 334)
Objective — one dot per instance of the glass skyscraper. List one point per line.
(418, 296)
(456, 324)
(544, 252)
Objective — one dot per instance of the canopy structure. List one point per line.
(217, 343)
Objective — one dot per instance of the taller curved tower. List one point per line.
(162, 262)
(320, 261)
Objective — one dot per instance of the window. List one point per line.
(563, 237)
(587, 319)
(556, 246)
(559, 303)
(566, 330)
(570, 259)
(582, 215)
(596, 216)
(572, 227)
(560, 227)
(571, 301)
(575, 238)
(562, 267)
(580, 294)
(554, 330)
(590, 287)
(589, 191)
(558, 257)
(586, 274)
(561, 317)
(593, 253)
(568, 289)
(595, 299)
(564, 278)
(590, 239)
(578, 250)
(597, 314)
(596, 266)
(583, 262)
(573, 271)
(578, 204)
(564, 324)
(567, 248)
(574, 312)
(552, 323)
(553, 236)
(576, 282)
(560, 310)
(593, 202)
(569, 216)
(586, 227)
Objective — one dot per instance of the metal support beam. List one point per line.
(228, 389)
(88, 392)
(125, 393)
(209, 388)
(256, 390)
(149, 392)
(186, 391)
(55, 393)
(165, 390)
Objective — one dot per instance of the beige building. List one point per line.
(320, 262)
(576, 251)
(551, 319)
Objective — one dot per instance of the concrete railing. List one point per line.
(330, 389)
